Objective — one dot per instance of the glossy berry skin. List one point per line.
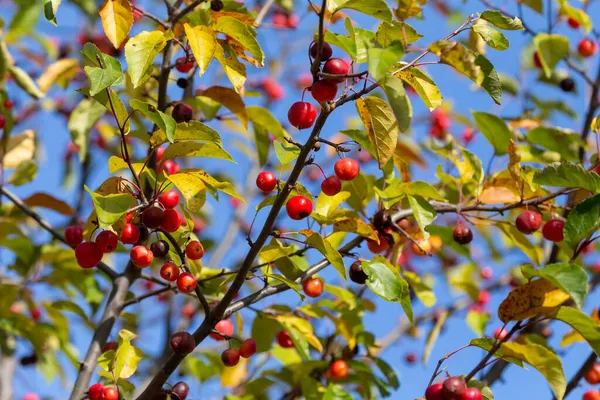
(181, 390)
(186, 282)
(377, 248)
(312, 287)
(130, 234)
(110, 393)
(248, 348)
(184, 65)
(553, 230)
(194, 250)
(567, 85)
(95, 391)
(8, 104)
(302, 115)
(284, 339)
(592, 376)
(2, 121)
(182, 113)
(73, 235)
(107, 241)
(141, 256)
(169, 199)
(273, 89)
(453, 388)
(573, 23)
(88, 254)
(331, 186)
(171, 221)
(299, 207)
(323, 91)
(472, 394)
(225, 327)
(169, 271)
(182, 343)
(160, 248)
(170, 166)
(356, 273)
(587, 48)
(336, 66)
(591, 395)
(266, 181)
(529, 222)
(500, 333)
(144, 234)
(462, 234)
(346, 169)
(152, 217)
(109, 346)
(326, 51)
(434, 392)
(338, 369)
(230, 357)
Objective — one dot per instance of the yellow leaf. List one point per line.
(203, 42)
(233, 376)
(535, 298)
(19, 148)
(59, 72)
(50, 202)
(356, 225)
(381, 126)
(117, 19)
(192, 188)
(230, 99)
(496, 194)
(235, 70)
(514, 163)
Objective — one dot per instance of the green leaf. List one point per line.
(262, 117)
(203, 42)
(382, 59)
(387, 371)
(24, 81)
(396, 31)
(381, 126)
(296, 287)
(336, 392)
(243, 34)
(495, 130)
(423, 85)
(583, 324)
(263, 143)
(578, 15)
(396, 95)
(188, 131)
(127, 356)
(274, 251)
(24, 173)
(477, 321)
(571, 278)
(521, 241)
(362, 138)
(535, 5)
(563, 142)
(542, 359)
(385, 281)
(81, 121)
(111, 207)
(423, 212)
(568, 175)
(323, 246)
(346, 43)
(162, 120)
(50, 9)
(101, 78)
(140, 52)
(120, 110)
(286, 152)
(487, 344)
(421, 289)
(551, 49)
(493, 38)
(374, 8)
(230, 99)
(499, 20)
(194, 149)
(583, 220)
(264, 329)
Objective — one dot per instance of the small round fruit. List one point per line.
(592, 376)
(169, 199)
(299, 207)
(181, 390)
(144, 234)
(2, 121)
(591, 395)
(567, 85)
(486, 273)
(184, 65)
(410, 357)
(377, 248)
(152, 217)
(182, 343)
(109, 346)
(169, 271)
(171, 221)
(553, 230)
(110, 393)
(73, 235)
(194, 250)
(357, 275)
(537, 62)
(346, 169)
(434, 392)
(160, 248)
(453, 388)
(422, 249)
(472, 394)
(326, 51)
(500, 333)
(107, 241)
(130, 234)
(31, 396)
(302, 115)
(336, 66)
(186, 282)
(95, 391)
(248, 348)
(312, 287)
(141, 256)
(284, 339)
(230, 357)
(573, 23)
(182, 113)
(587, 47)
(528, 222)
(331, 186)
(8, 104)
(266, 181)
(224, 327)
(323, 91)
(483, 297)
(182, 83)
(88, 254)
(338, 369)
(462, 234)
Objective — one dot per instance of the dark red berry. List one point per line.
(453, 388)
(152, 217)
(326, 51)
(171, 221)
(434, 392)
(182, 113)
(184, 65)
(336, 66)
(160, 248)
(302, 115)
(73, 235)
(266, 181)
(553, 230)
(528, 222)
(357, 275)
(230, 357)
(107, 241)
(284, 339)
(130, 234)
(331, 186)
(462, 234)
(182, 343)
(181, 390)
(88, 254)
(323, 91)
(248, 348)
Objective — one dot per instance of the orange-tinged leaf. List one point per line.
(356, 225)
(230, 99)
(117, 19)
(19, 148)
(535, 298)
(245, 18)
(203, 42)
(48, 201)
(499, 191)
(381, 126)
(59, 72)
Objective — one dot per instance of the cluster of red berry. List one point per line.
(453, 388)
(592, 376)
